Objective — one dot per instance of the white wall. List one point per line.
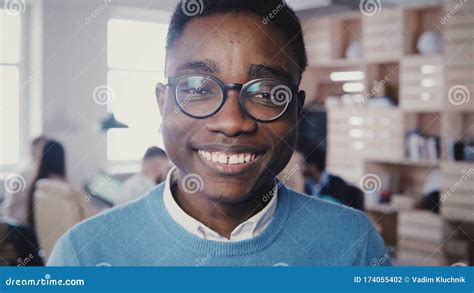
(74, 64)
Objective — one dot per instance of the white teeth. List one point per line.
(247, 157)
(234, 159)
(214, 157)
(224, 158)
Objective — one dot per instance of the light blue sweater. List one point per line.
(304, 231)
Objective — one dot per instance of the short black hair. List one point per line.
(274, 12)
(154, 151)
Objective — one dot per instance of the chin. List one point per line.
(227, 193)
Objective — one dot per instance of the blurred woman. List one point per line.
(54, 205)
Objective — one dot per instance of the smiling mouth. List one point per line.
(229, 163)
(228, 158)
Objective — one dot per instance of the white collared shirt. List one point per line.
(246, 230)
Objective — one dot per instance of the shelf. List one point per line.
(417, 21)
(383, 35)
(459, 56)
(422, 83)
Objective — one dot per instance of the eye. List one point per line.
(195, 91)
(262, 98)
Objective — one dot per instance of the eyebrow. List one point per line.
(205, 66)
(255, 70)
(259, 71)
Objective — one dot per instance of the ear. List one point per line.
(160, 96)
(301, 99)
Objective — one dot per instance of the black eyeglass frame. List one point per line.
(226, 87)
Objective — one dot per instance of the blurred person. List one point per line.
(155, 166)
(54, 205)
(230, 108)
(15, 205)
(320, 183)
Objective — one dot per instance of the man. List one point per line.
(230, 109)
(155, 165)
(327, 186)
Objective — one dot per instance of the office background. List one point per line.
(393, 81)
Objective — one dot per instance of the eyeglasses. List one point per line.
(201, 96)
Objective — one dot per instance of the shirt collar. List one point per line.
(246, 230)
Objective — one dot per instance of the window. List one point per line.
(136, 61)
(9, 88)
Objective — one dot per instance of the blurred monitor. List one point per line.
(312, 131)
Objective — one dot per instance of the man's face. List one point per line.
(234, 48)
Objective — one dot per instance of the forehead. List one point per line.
(233, 42)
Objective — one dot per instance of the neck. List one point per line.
(222, 217)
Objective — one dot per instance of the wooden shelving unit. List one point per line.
(364, 139)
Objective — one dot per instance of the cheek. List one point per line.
(173, 130)
(284, 141)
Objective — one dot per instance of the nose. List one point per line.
(231, 120)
